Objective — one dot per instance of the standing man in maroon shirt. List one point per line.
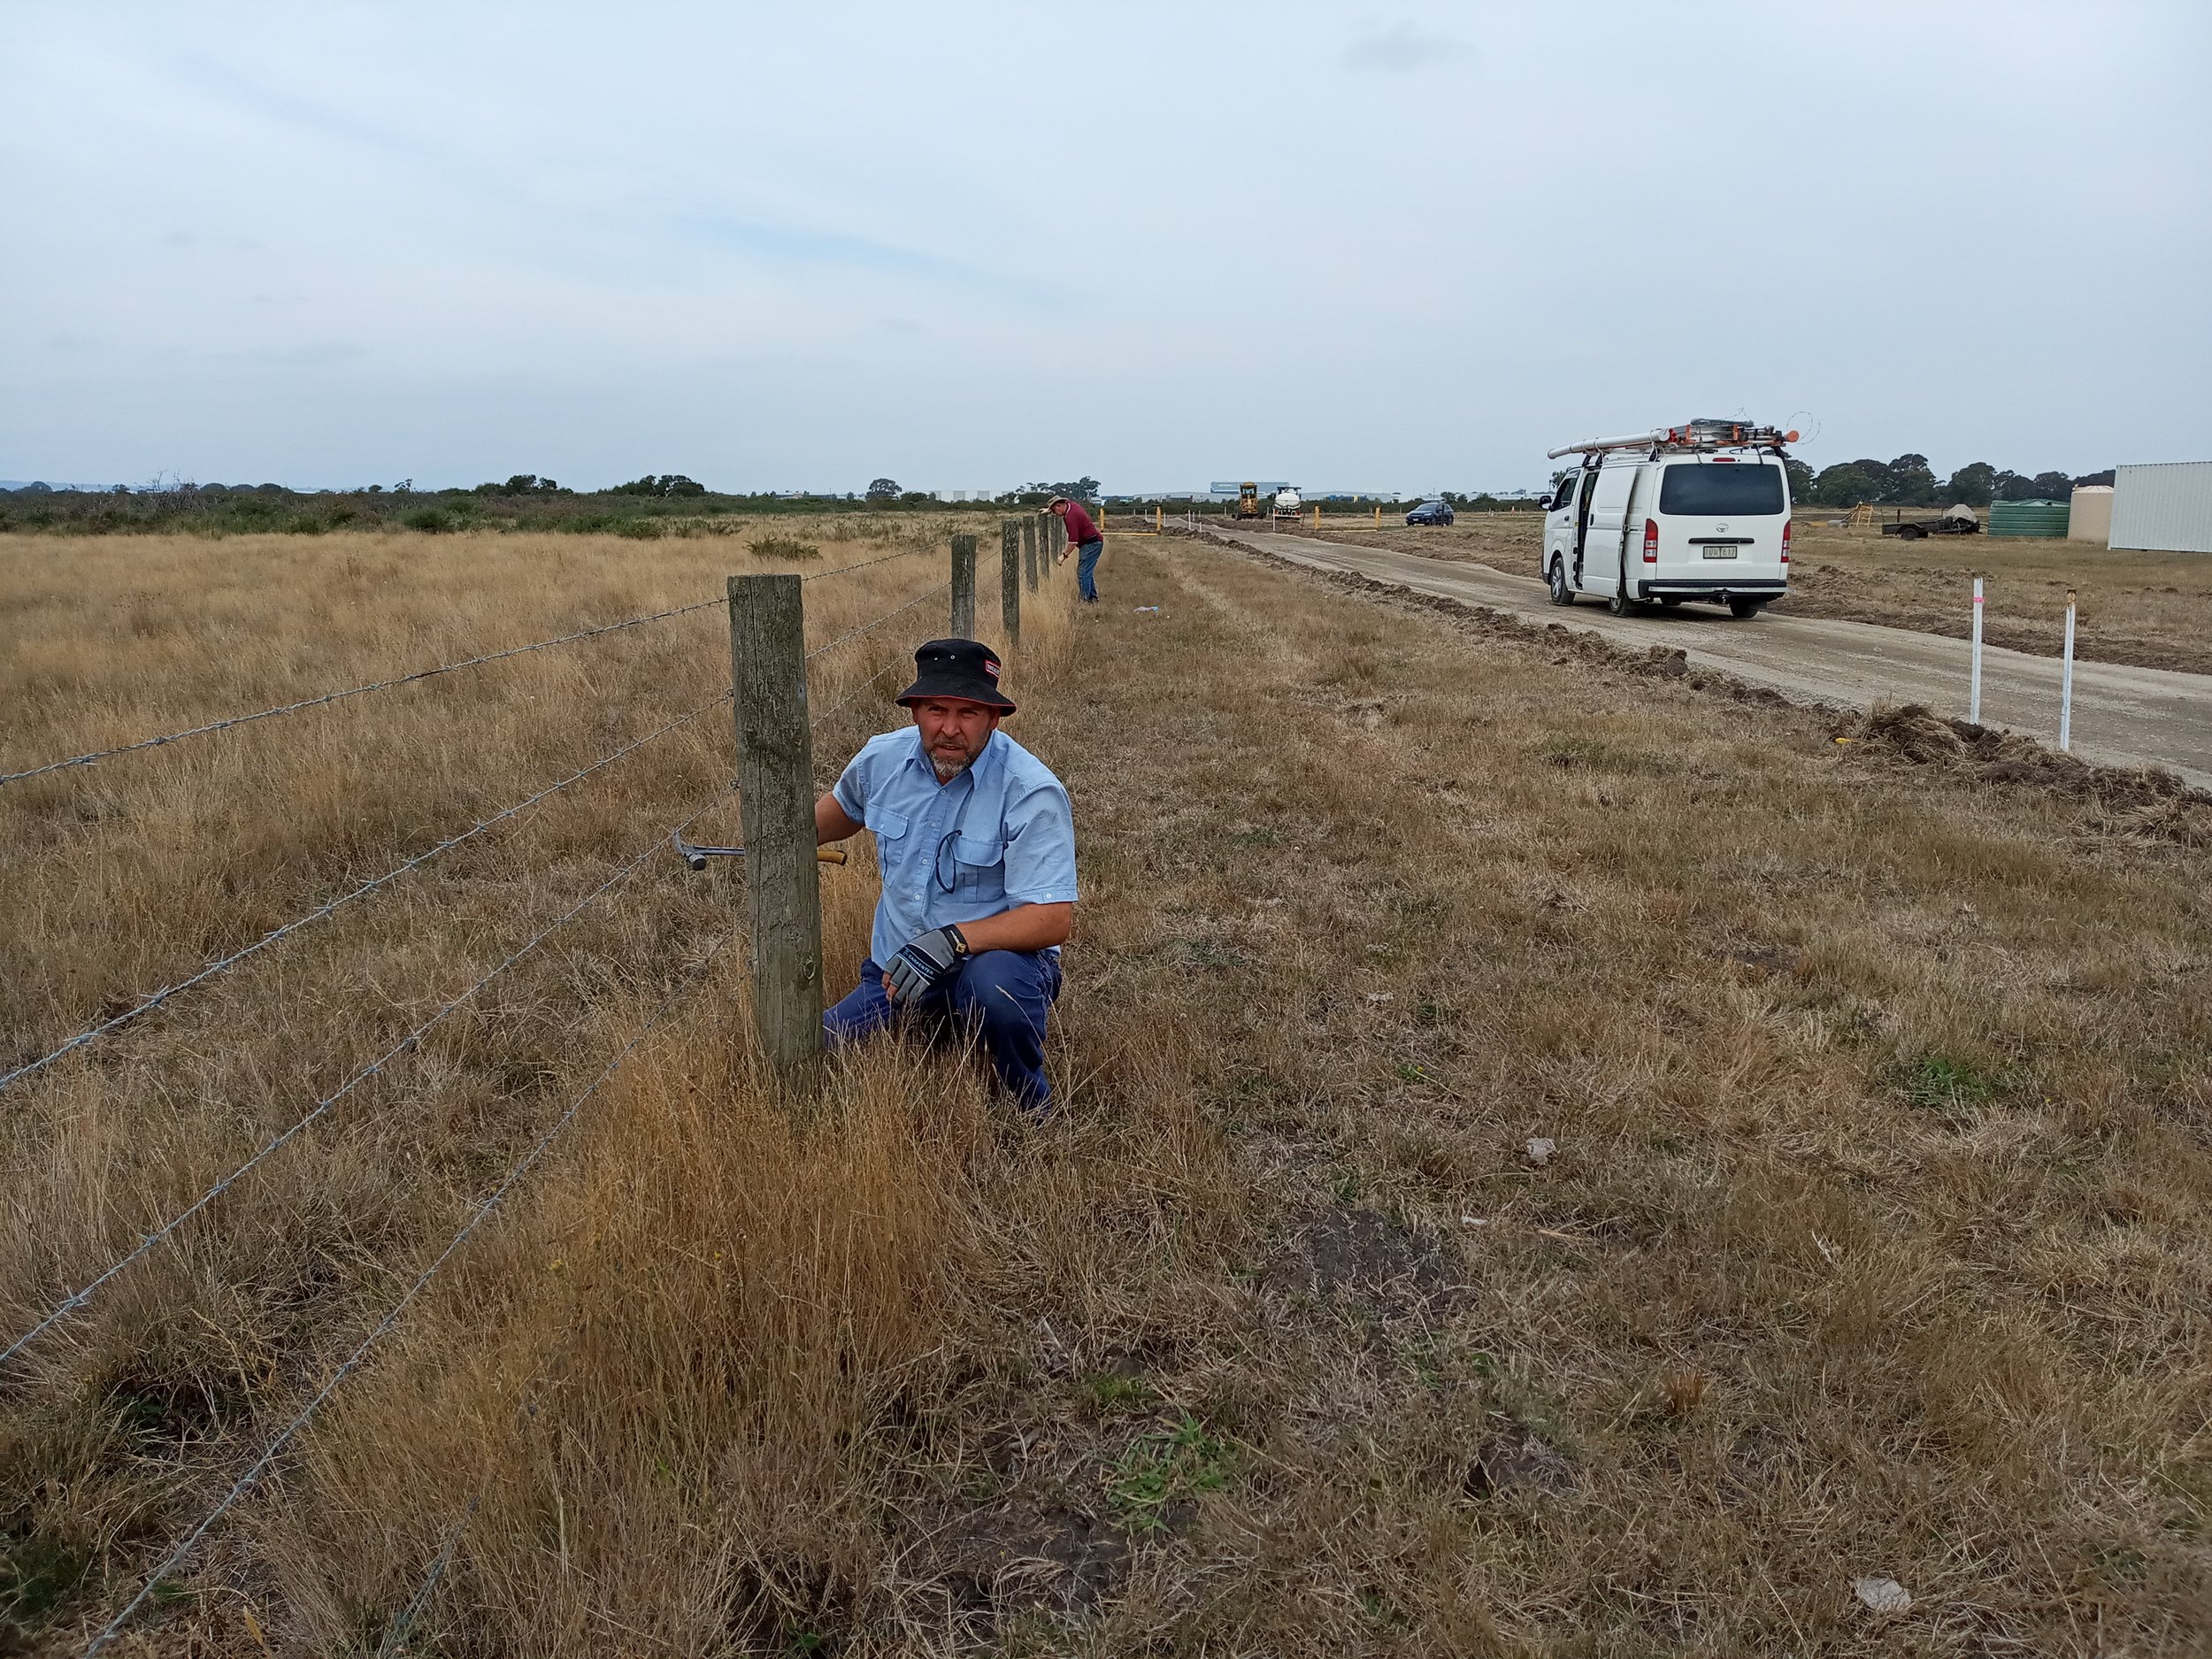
(1085, 541)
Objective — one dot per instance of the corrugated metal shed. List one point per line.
(2027, 518)
(2089, 516)
(2163, 509)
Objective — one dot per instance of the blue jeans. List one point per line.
(1002, 997)
(1086, 568)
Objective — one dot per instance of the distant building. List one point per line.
(2162, 509)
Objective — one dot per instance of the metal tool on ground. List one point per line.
(697, 857)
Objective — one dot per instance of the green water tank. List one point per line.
(2028, 518)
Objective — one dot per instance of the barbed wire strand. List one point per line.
(400, 1626)
(521, 1167)
(329, 697)
(854, 633)
(412, 1040)
(409, 1613)
(222, 964)
(817, 576)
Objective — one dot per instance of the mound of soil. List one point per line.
(2145, 800)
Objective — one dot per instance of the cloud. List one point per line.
(1402, 47)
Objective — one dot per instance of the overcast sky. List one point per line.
(969, 246)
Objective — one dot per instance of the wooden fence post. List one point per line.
(964, 587)
(1011, 544)
(775, 776)
(1011, 592)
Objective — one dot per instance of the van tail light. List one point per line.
(1785, 541)
(1651, 541)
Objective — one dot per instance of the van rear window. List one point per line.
(1709, 491)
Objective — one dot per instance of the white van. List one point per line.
(1700, 511)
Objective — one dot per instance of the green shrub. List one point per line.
(641, 529)
(429, 520)
(782, 547)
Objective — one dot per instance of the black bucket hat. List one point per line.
(956, 668)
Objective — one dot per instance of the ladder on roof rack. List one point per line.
(1692, 434)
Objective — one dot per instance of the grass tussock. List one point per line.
(789, 548)
(1552, 1163)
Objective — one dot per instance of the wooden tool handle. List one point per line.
(829, 855)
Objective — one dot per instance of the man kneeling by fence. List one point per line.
(977, 847)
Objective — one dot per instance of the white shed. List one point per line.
(2163, 509)
(2089, 515)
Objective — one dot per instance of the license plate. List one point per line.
(1720, 552)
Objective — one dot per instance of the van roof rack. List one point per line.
(1691, 436)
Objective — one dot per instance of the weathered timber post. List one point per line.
(1012, 544)
(1011, 592)
(1029, 537)
(1033, 568)
(775, 776)
(964, 587)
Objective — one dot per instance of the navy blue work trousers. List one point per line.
(1002, 997)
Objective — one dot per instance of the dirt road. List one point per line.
(2122, 716)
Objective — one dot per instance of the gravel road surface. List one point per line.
(2122, 716)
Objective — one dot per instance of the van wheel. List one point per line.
(1744, 609)
(1621, 605)
(1560, 594)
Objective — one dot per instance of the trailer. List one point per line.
(1958, 520)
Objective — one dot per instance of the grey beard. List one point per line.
(948, 769)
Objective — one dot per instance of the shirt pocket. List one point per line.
(980, 862)
(890, 831)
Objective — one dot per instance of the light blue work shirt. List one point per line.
(999, 835)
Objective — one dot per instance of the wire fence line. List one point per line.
(412, 1040)
(221, 963)
(399, 1631)
(425, 1589)
(352, 1362)
(323, 1106)
(329, 697)
(324, 699)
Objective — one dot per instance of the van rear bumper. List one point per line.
(1710, 588)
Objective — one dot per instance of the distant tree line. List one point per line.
(664, 503)
(1908, 481)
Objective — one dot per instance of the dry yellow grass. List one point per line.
(1870, 1247)
(125, 877)
(2150, 609)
